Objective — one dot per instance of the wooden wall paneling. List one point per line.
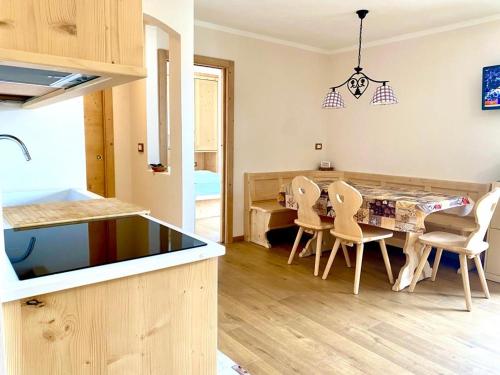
(161, 322)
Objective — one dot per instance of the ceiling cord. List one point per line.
(360, 38)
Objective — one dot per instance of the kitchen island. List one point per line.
(147, 304)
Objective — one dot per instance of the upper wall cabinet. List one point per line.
(56, 49)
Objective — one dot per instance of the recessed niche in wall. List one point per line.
(162, 46)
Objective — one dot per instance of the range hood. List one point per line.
(20, 85)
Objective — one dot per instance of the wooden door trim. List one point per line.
(109, 142)
(108, 148)
(163, 97)
(227, 67)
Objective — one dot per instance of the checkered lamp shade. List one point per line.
(333, 100)
(384, 95)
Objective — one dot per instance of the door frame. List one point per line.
(227, 67)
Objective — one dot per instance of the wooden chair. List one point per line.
(346, 202)
(306, 193)
(466, 247)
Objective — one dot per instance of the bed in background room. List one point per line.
(207, 187)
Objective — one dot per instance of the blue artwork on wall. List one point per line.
(491, 87)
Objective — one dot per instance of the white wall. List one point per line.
(278, 116)
(55, 139)
(438, 129)
(169, 196)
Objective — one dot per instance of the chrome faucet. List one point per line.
(26, 153)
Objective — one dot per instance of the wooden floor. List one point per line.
(280, 319)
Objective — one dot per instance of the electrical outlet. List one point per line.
(318, 146)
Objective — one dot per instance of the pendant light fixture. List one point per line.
(359, 81)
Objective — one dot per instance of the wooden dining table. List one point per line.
(392, 208)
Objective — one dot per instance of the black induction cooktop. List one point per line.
(68, 247)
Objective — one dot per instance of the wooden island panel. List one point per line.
(161, 322)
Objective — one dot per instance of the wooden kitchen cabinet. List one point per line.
(492, 262)
(96, 37)
(160, 322)
(108, 31)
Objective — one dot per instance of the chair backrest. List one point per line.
(346, 202)
(483, 211)
(306, 193)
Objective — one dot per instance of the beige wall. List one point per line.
(278, 116)
(438, 130)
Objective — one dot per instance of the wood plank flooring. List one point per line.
(276, 318)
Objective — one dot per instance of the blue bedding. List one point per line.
(206, 183)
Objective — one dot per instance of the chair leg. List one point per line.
(319, 244)
(296, 244)
(480, 272)
(465, 280)
(420, 268)
(331, 258)
(346, 255)
(357, 272)
(437, 259)
(385, 255)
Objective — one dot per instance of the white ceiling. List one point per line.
(330, 25)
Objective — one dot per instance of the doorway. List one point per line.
(208, 151)
(214, 121)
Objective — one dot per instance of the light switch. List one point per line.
(140, 147)
(318, 146)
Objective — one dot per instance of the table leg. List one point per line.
(310, 247)
(413, 251)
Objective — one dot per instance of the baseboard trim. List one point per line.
(238, 238)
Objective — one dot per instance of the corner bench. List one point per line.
(267, 215)
(263, 213)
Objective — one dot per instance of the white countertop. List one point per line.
(11, 288)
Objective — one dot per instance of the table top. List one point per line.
(389, 207)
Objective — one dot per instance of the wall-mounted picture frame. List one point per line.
(491, 87)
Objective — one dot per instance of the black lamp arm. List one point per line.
(363, 74)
